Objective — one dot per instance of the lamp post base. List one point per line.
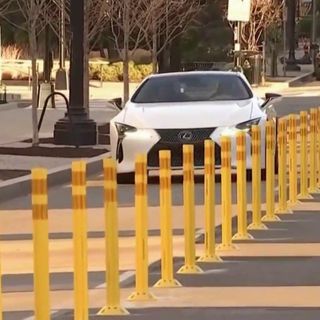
(80, 132)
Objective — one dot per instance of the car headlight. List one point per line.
(246, 126)
(124, 128)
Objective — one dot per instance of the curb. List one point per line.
(21, 186)
(295, 82)
(9, 106)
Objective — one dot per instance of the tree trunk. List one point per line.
(175, 55)
(126, 88)
(291, 24)
(101, 47)
(33, 51)
(126, 31)
(154, 47)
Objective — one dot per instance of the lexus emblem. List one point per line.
(185, 135)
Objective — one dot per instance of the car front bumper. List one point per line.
(149, 142)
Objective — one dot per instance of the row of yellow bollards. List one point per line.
(308, 178)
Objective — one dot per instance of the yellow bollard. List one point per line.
(242, 233)
(40, 243)
(141, 210)
(318, 148)
(167, 280)
(113, 305)
(304, 194)
(282, 168)
(256, 180)
(1, 307)
(226, 198)
(313, 151)
(293, 188)
(189, 212)
(270, 175)
(209, 204)
(80, 242)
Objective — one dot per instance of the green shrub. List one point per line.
(113, 72)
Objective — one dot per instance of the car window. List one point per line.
(192, 87)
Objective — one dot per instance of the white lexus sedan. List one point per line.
(172, 109)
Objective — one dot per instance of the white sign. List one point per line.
(239, 10)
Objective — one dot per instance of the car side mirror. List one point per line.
(270, 96)
(117, 102)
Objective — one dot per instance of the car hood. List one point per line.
(187, 115)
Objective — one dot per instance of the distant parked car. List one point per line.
(169, 110)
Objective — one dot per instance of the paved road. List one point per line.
(262, 280)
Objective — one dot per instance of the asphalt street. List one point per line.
(242, 271)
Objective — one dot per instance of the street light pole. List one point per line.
(76, 128)
(314, 31)
(285, 19)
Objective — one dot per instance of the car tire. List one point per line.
(125, 178)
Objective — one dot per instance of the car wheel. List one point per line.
(125, 178)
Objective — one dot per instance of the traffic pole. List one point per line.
(189, 266)
(113, 304)
(256, 224)
(304, 193)
(293, 192)
(167, 279)
(242, 233)
(270, 174)
(40, 244)
(282, 168)
(141, 211)
(80, 242)
(318, 148)
(226, 198)
(209, 204)
(313, 151)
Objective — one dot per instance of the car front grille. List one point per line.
(172, 141)
(185, 136)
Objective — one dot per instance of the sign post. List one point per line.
(239, 11)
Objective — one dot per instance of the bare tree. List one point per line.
(128, 19)
(264, 13)
(27, 15)
(167, 20)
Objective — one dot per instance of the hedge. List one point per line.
(113, 72)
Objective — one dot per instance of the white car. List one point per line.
(172, 109)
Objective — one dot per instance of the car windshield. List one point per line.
(191, 88)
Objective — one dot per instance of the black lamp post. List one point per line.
(291, 29)
(80, 130)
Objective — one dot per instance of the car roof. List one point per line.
(170, 74)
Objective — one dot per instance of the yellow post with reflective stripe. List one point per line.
(1, 307)
(318, 148)
(304, 193)
(313, 151)
(293, 188)
(282, 167)
(256, 224)
(226, 198)
(209, 204)
(113, 305)
(167, 280)
(141, 211)
(270, 175)
(80, 242)
(40, 244)
(242, 233)
(189, 212)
